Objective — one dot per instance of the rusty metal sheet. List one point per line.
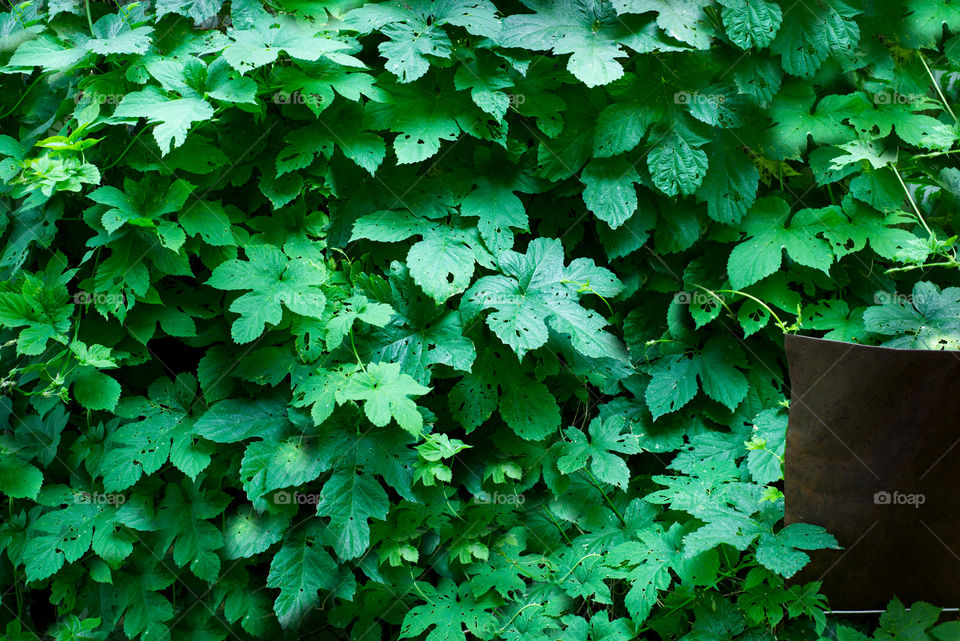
(873, 455)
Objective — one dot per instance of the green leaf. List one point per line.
(751, 23)
(248, 533)
(610, 192)
(276, 282)
(647, 566)
(448, 610)
(622, 125)
(781, 552)
(677, 164)
(588, 30)
(673, 384)
(768, 441)
(355, 308)
(535, 291)
(498, 209)
(385, 393)
(234, 420)
(95, 390)
(929, 319)
(260, 45)
(730, 186)
(442, 263)
(415, 30)
(112, 34)
(528, 408)
(300, 569)
(684, 20)
(207, 220)
(19, 479)
(606, 437)
(722, 381)
(268, 466)
(350, 500)
(762, 253)
(173, 117)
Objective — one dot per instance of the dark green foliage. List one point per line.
(447, 319)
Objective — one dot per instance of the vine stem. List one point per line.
(606, 498)
(935, 154)
(713, 293)
(556, 525)
(577, 564)
(125, 149)
(529, 605)
(946, 263)
(23, 96)
(936, 85)
(912, 202)
(515, 564)
(355, 354)
(89, 19)
(585, 287)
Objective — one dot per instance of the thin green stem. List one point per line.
(912, 202)
(679, 606)
(557, 525)
(762, 304)
(529, 605)
(946, 263)
(23, 96)
(936, 85)
(89, 18)
(514, 564)
(585, 287)
(417, 587)
(606, 498)
(125, 150)
(935, 154)
(355, 354)
(719, 298)
(576, 565)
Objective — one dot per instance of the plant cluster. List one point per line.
(447, 319)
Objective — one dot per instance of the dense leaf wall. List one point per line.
(453, 318)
